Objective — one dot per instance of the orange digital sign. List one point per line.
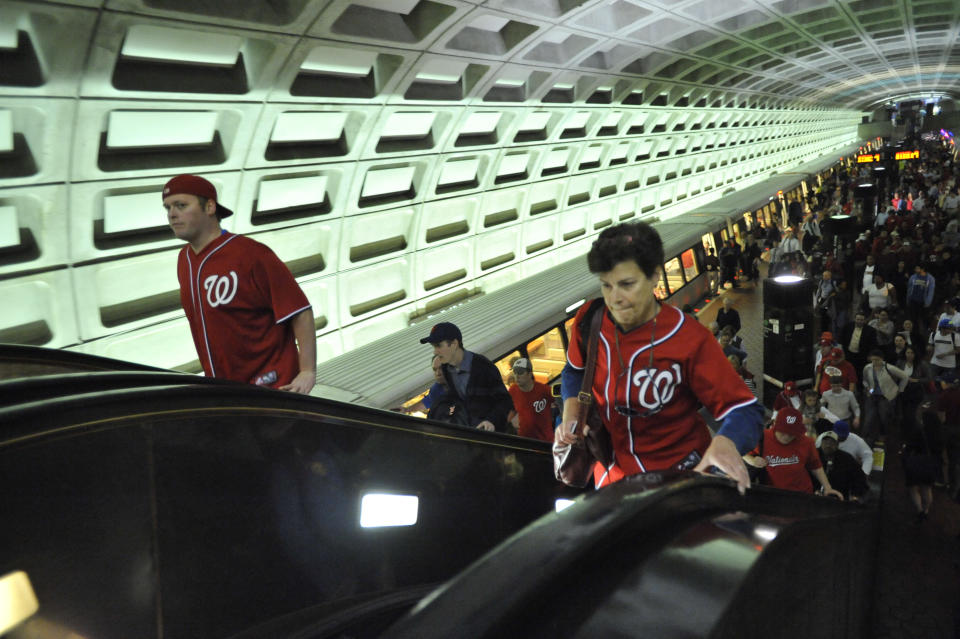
(906, 155)
(868, 158)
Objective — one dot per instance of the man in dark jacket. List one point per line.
(857, 339)
(842, 469)
(472, 378)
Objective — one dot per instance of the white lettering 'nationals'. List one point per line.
(656, 387)
(220, 290)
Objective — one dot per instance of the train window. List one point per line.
(674, 273)
(724, 236)
(748, 220)
(661, 292)
(413, 406)
(689, 263)
(505, 365)
(547, 355)
(708, 243)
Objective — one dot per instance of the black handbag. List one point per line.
(573, 463)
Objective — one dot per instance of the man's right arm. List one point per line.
(571, 381)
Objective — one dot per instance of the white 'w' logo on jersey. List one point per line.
(220, 289)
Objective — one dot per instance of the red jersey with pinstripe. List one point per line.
(238, 296)
(660, 398)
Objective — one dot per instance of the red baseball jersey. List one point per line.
(788, 465)
(830, 368)
(238, 296)
(533, 410)
(650, 382)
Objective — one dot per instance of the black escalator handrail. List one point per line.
(125, 407)
(18, 353)
(561, 549)
(30, 389)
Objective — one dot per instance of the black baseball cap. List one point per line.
(441, 332)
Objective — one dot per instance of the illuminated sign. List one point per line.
(906, 155)
(868, 158)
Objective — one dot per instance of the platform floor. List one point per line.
(918, 565)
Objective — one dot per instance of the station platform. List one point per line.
(917, 565)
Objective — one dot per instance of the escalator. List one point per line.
(151, 504)
(668, 556)
(18, 361)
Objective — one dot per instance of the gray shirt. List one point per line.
(843, 404)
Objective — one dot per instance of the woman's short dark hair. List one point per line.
(637, 241)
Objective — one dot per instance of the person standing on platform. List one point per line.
(655, 367)
(881, 383)
(729, 258)
(920, 290)
(247, 314)
(728, 316)
(943, 346)
(471, 378)
(532, 403)
(712, 265)
(750, 259)
(824, 300)
(857, 339)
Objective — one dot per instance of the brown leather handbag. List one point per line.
(573, 463)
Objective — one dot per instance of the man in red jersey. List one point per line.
(532, 402)
(247, 313)
(790, 456)
(655, 367)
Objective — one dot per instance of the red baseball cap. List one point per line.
(195, 185)
(790, 388)
(790, 421)
(836, 353)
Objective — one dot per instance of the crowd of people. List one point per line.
(886, 305)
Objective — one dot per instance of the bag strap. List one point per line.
(585, 396)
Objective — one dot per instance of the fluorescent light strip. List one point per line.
(380, 510)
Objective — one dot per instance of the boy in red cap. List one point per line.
(246, 311)
(835, 364)
(789, 396)
(790, 456)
